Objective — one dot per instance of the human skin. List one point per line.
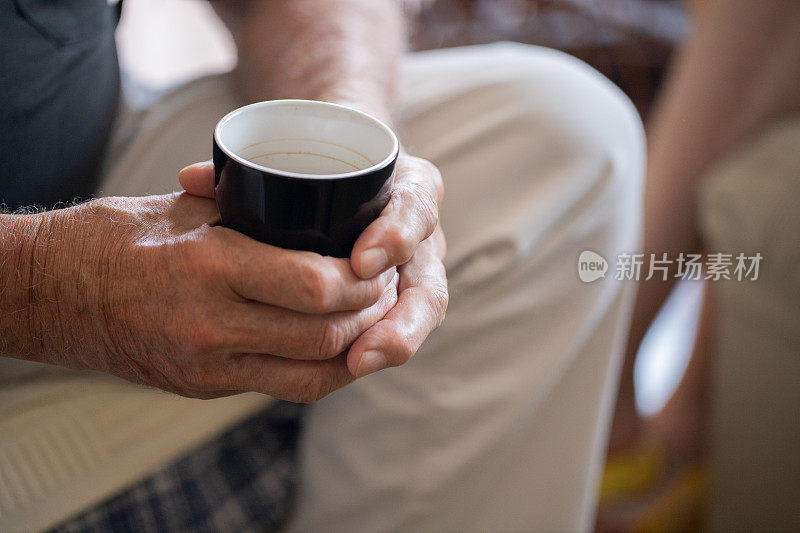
(153, 290)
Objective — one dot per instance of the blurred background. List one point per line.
(164, 42)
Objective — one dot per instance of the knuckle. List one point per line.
(372, 295)
(197, 249)
(428, 212)
(439, 299)
(432, 174)
(401, 241)
(402, 352)
(200, 260)
(423, 206)
(332, 340)
(318, 288)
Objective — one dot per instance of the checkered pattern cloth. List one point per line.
(242, 481)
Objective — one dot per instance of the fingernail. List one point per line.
(371, 361)
(373, 261)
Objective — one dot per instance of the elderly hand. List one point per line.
(407, 235)
(151, 290)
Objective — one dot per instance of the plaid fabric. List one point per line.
(242, 481)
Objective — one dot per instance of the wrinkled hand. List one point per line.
(407, 235)
(151, 290)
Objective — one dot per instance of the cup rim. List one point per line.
(299, 175)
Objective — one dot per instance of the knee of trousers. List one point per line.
(575, 119)
(583, 115)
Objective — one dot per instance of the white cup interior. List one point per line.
(303, 138)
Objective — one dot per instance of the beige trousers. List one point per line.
(499, 423)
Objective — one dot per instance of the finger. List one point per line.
(438, 243)
(419, 310)
(409, 218)
(198, 179)
(258, 328)
(286, 379)
(297, 280)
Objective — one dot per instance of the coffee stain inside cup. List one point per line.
(268, 164)
(304, 161)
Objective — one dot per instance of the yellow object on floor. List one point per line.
(644, 492)
(681, 506)
(633, 473)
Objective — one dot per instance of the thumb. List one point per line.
(198, 179)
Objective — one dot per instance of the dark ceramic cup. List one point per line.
(302, 174)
